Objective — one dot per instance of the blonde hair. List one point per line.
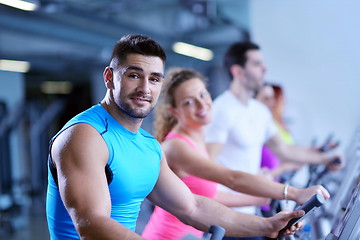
(164, 121)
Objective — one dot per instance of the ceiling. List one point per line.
(69, 36)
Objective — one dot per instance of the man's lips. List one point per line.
(141, 99)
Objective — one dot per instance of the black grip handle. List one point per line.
(313, 203)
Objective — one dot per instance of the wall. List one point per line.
(311, 48)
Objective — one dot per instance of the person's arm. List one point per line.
(239, 199)
(80, 155)
(181, 156)
(293, 153)
(171, 194)
(285, 167)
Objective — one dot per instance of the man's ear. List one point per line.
(237, 71)
(109, 77)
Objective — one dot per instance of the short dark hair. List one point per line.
(138, 44)
(236, 54)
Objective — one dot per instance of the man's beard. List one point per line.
(132, 111)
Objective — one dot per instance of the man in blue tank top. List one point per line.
(102, 164)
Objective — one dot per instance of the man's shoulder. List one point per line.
(259, 106)
(94, 111)
(223, 102)
(146, 134)
(150, 141)
(92, 116)
(224, 96)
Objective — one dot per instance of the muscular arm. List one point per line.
(200, 212)
(80, 156)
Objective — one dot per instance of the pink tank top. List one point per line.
(164, 226)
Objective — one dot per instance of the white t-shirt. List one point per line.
(243, 129)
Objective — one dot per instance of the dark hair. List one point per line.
(236, 54)
(164, 121)
(135, 44)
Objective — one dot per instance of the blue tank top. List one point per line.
(132, 170)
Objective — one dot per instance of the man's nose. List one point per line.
(143, 86)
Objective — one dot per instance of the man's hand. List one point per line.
(280, 220)
(328, 146)
(335, 163)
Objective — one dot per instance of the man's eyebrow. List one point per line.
(131, 67)
(158, 74)
(136, 68)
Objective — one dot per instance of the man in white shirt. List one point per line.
(241, 125)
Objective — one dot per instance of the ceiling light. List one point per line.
(58, 87)
(14, 66)
(20, 4)
(193, 51)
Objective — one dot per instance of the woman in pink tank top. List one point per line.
(181, 116)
